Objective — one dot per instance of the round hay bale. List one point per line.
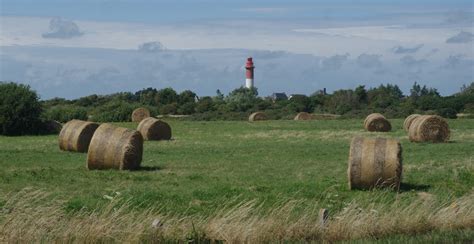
(52, 127)
(377, 122)
(429, 128)
(154, 129)
(139, 114)
(115, 148)
(409, 120)
(257, 116)
(303, 116)
(76, 135)
(374, 162)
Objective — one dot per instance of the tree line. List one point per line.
(387, 99)
(20, 104)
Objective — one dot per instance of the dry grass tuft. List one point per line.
(32, 215)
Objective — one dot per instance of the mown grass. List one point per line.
(215, 167)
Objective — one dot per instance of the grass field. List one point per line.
(238, 181)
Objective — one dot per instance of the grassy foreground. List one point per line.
(237, 181)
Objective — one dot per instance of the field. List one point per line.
(238, 181)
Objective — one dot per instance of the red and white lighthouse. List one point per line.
(249, 73)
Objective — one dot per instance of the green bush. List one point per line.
(171, 108)
(447, 113)
(187, 108)
(64, 113)
(20, 110)
(114, 111)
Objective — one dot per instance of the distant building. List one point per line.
(279, 96)
(322, 92)
(296, 95)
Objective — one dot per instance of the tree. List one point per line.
(342, 101)
(242, 99)
(219, 95)
(205, 104)
(186, 96)
(299, 103)
(466, 90)
(20, 109)
(147, 96)
(166, 96)
(361, 94)
(384, 96)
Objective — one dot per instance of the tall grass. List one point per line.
(35, 216)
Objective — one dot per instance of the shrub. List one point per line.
(187, 108)
(169, 108)
(20, 109)
(114, 111)
(64, 113)
(447, 113)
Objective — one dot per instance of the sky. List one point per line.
(66, 48)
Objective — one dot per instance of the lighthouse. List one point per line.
(249, 73)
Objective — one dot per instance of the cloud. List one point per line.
(74, 72)
(459, 17)
(410, 61)
(459, 61)
(461, 37)
(265, 54)
(62, 29)
(405, 50)
(453, 61)
(369, 60)
(151, 47)
(334, 62)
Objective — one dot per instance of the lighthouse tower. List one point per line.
(249, 73)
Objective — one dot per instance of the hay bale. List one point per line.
(257, 116)
(409, 120)
(429, 128)
(76, 135)
(115, 148)
(139, 114)
(377, 122)
(154, 129)
(374, 162)
(303, 116)
(52, 127)
(464, 116)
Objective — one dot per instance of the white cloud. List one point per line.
(369, 60)
(334, 62)
(205, 56)
(461, 37)
(151, 47)
(262, 35)
(404, 50)
(62, 29)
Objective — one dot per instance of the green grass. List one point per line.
(211, 164)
